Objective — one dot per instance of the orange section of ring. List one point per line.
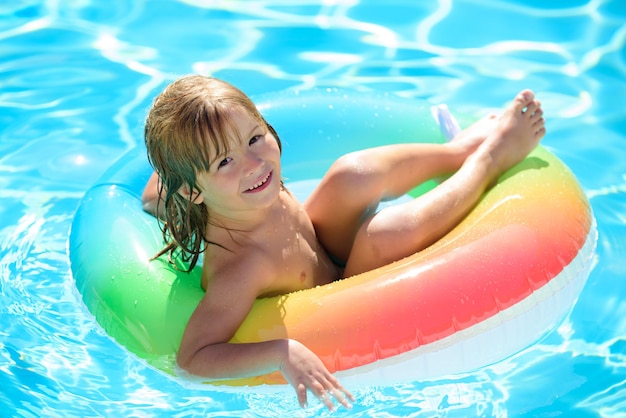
(522, 234)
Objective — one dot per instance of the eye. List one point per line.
(224, 162)
(255, 139)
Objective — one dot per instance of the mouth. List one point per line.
(261, 183)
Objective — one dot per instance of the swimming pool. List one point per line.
(78, 76)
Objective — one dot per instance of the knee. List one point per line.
(353, 173)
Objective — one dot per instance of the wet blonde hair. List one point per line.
(188, 123)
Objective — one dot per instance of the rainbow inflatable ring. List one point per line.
(506, 276)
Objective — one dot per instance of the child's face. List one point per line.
(247, 177)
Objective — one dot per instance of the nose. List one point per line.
(252, 164)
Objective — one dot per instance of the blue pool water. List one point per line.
(76, 78)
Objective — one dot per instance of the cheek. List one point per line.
(225, 183)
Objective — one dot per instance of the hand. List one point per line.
(304, 370)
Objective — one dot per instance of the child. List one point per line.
(220, 192)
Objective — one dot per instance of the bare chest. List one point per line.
(292, 257)
(297, 257)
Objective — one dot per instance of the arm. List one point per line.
(150, 199)
(205, 350)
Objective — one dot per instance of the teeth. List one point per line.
(261, 183)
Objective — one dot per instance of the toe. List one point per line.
(523, 99)
(539, 123)
(540, 132)
(530, 109)
(537, 114)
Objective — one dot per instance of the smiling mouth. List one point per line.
(260, 183)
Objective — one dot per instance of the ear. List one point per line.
(191, 194)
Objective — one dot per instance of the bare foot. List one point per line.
(518, 131)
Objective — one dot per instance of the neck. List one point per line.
(248, 221)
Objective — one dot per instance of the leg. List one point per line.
(351, 190)
(399, 231)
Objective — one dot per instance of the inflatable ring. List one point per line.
(503, 278)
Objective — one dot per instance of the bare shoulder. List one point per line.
(247, 268)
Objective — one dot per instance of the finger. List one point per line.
(320, 390)
(301, 393)
(327, 400)
(340, 396)
(338, 392)
(345, 394)
(345, 391)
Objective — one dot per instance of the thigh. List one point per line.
(383, 237)
(344, 199)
